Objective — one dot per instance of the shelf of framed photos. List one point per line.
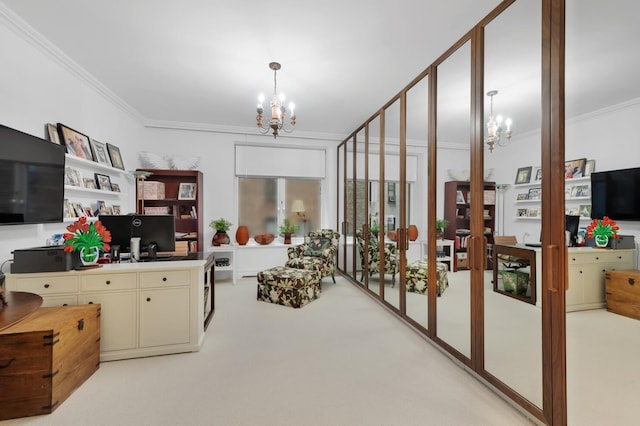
(72, 160)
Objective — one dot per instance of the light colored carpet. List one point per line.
(341, 360)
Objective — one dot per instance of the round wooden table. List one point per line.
(19, 305)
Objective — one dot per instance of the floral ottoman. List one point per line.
(288, 286)
(417, 277)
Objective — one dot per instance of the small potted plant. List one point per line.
(87, 238)
(221, 226)
(602, 230)
(287, 229)
(440, 225)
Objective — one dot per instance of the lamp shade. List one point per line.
(298, 206)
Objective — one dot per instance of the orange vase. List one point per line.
(242, 235)
(412, 232)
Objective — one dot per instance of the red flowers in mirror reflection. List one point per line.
(604, 227)
(86, 235)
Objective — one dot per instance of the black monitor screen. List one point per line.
(571, 224)
(158, 229)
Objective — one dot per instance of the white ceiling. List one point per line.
(201, 63)
(204, 62)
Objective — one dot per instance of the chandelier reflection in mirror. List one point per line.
(498, 133)
(278, 110)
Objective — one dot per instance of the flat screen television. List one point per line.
(31, 178)
(152, 229)
(616, 193)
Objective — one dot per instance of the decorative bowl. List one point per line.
(264, 239)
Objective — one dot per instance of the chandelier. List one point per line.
(278, 110)
(495, 129)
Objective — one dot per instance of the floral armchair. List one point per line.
(390, 257)
(318, 253)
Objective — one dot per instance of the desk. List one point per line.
(148, 308)
(514, 258)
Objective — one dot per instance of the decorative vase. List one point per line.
(440, 234)
(601, 240)
(242, 235)
(219, 238)
(287, 237)
(89, 256)
(412, 232)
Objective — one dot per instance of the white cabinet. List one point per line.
(151, 308)
(118, 319)
(586, 268)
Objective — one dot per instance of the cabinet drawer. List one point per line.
(47, 285)
(105, 282)
(62, 300)
(164, 279)
(601, 256)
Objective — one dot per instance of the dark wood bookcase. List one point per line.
(457, 210)
(187, 213)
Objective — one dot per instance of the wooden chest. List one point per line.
(623, 292)
(45, 357)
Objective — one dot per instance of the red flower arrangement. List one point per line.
(605, 228)
(84, 235)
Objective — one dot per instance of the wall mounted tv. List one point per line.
(616, 193)
(31, 178)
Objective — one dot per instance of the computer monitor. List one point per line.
(152, 229)
(571, 225)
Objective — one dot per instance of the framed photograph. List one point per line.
(115, 187)
(574, 168)
(116, 209)
(79, 209)
(89, 183)
(391, 193)
(585, 210)
(103, 182)
(76, 143)
(100, 153)
(535, 194)
(523, 175)
(459, 197)
(537, 174)
(52, 133)
(580, 191)
(71, 176)
(522, 196)
(590, 167)
(101, 208)
(114, 155)
(67, 209)
(87, 211)
(187, 191)
(522, 212)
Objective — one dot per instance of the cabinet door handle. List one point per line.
(90, 303)
(164, 278)
(148, 299)
(108, 282)
(46, 286)
(632, 281)
(81, 324)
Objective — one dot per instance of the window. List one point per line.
(264, 203)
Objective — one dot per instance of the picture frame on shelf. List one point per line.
(76, 143)
(574, 168)
(459, 197)
(116, 209)
(391, 193)
(103, 182)
(578, 191)
(535, 193)
(585, 210)
(89, 183)
(115, 187)
(187, 191)
(100, 154)
(522, 213)
(67, 209)
(101, 208)
(523, 175)
(537, 174)
(71, 177)
(52, 133)
(589, 167)
(522, 196)
(79, 210)
(88, 212)
(115, 156)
